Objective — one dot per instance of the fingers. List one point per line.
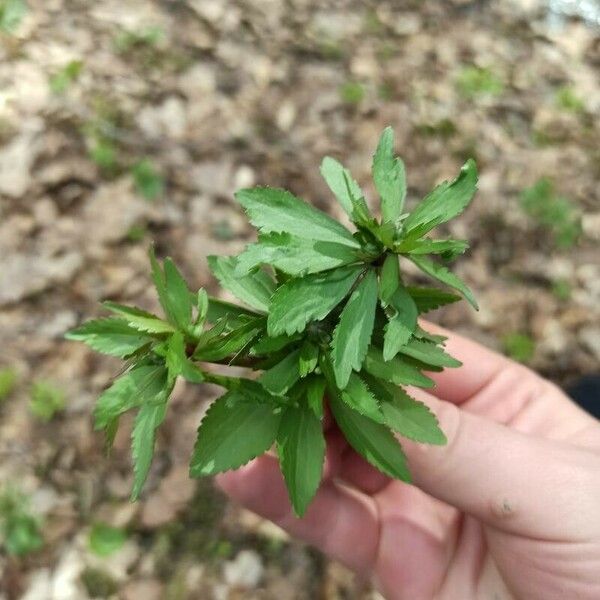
(358, 473)
(511, 481)
(502, 390)
(340, 522)
(480, 366)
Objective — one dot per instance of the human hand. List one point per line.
(509, 508)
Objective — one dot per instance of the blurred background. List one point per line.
(123, 123)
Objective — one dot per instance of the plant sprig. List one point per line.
(324, 313)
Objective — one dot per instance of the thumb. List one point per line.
(515, 482)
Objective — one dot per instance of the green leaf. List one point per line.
(280, 378)
(407, 416)
(395, 370)
(389, 177)
(109, 336)
(273, 210)
(178, 363)
(232, 343)
(105, 540)
(201, 306)
(421, 334)
(140, 319)
(209, 336)
(253, 391)
(140, 384)
(445, 202)
(309, 298)
(448, 249)
(159, 279)
(371, 440)
(301, 450)
(386, 233)
(352, 335)
(358, 397)
(443, 275)
(401, 324)
(429, 354)
(143, 437)
(389, 278)
(309, 358)
(343, 186)
(270, 345)
(294, 255)
(315, 390)
(232, 433)
(255, 289)
(179, 297)
(235, 316)
(422, 366)
(427, 298)
(110, 432)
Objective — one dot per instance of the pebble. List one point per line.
(65, 579)
(17, 159)
(39, 586)
(146, 589)
(590, 338)
(22, 275)
(590, 223)
(245, 570)
(167, 119)
(117, 564)
(174, 492)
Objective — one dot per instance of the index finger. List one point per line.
(490, 384)
(480, 366)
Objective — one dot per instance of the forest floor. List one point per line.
(123, 124)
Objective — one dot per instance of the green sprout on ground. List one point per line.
(149, 183)
(553, 212)
(19, 529)
(567, 99)
(443, 128)
(519, 346)
(12, 13)
(103, 152)
(137, 233)
(561, 289)
(473, 82)
(62, 80)
(46, 400)
(325, 316)
(105, 540)
(329, 49)
(98, 583)
(8, 382)
(127, 40)
(352, 92)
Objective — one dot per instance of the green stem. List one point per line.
(223, 380)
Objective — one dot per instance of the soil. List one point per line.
(216, 96)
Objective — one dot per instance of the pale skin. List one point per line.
(509, 508)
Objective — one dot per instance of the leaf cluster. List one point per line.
(19, 529)
(325, 313)
(553, 212)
